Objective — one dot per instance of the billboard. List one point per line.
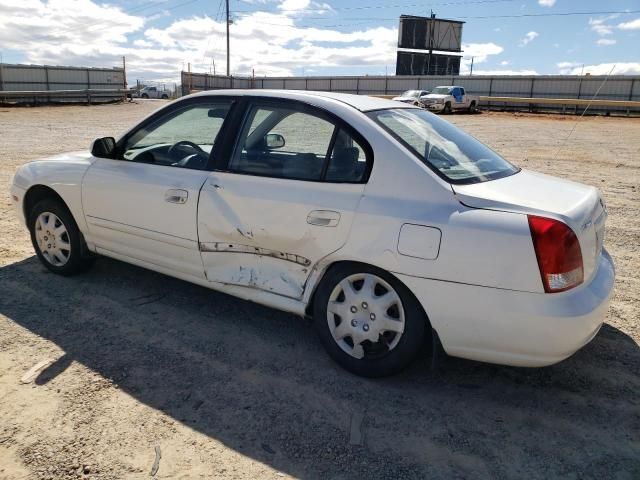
(417, 63)
(425, 33)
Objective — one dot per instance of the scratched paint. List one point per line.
(236, 248)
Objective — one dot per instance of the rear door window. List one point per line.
(292, 143)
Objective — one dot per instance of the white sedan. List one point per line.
(388, 225)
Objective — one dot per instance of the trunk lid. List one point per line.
(579, 206)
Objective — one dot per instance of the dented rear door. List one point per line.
(268, 233)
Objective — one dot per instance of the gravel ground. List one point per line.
(228, 389)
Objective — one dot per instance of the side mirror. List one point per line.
(103, 147)
(273, 140)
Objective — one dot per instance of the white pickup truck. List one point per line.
(446, 99)
(151, 92)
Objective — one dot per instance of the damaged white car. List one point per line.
(389, 226)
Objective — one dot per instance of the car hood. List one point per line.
(404, 99)
(77, 156)
(579, 206)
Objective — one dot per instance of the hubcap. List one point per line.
(365, 316)
(53, 239)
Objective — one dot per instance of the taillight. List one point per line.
(558, 252)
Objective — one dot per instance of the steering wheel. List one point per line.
(198, 159)
(185, 143)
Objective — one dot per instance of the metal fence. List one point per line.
(615, 88)
(47, 78)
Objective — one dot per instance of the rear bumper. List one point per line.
(511, 327)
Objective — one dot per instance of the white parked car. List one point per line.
(449, 99)
(388, 225)
(411, 97)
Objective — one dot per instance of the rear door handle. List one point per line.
(176, 195)
(323, 218)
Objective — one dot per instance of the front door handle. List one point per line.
(323, 218)
(176, 195)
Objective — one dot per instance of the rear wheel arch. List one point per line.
(342, 263)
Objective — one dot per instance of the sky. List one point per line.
(159, 38)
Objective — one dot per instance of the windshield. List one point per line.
(441, 90)
(450, 152)
(411, 93)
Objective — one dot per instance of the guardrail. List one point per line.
(85, 94)
(488, 102)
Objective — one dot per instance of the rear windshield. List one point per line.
(447, 150)
(441, 90)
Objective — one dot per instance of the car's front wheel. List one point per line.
(368, 321)
(57, 239)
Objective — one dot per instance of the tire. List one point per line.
(144, 95)
(472, 107)
(447, 108)
(344, 316)
(56, 238)
(165, 97)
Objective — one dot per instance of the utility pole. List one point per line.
(471, 72)
(228, 58)
(430, 32)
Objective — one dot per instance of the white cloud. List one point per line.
(600, 25)
(604, 42)
(528, 38)
(547, 3)
(505, 62)
(480, 52)
(632, 25)
(81, 32)
(621, 68)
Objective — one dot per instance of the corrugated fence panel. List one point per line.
(42, 78)
(79, 78)
(372, 85)
(295, 84)
(611, 90)
(512, 87)
(17, 78)
(321, 84)
(537, 86)
(555, 88)
(344, 84)
(273, 83)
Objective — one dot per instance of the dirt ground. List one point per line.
(228, 389)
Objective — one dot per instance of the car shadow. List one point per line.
(258, 381)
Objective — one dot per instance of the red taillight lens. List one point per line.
(558, 252)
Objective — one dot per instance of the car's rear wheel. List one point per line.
(368, 321)
(472, 107)
(57, 239)
(165, 96)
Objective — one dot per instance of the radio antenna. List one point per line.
(564, 142)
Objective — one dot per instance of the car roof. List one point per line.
(364, 103)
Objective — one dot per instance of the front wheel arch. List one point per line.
(37, 193)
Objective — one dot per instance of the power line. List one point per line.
(380, 6)
(363, 20)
